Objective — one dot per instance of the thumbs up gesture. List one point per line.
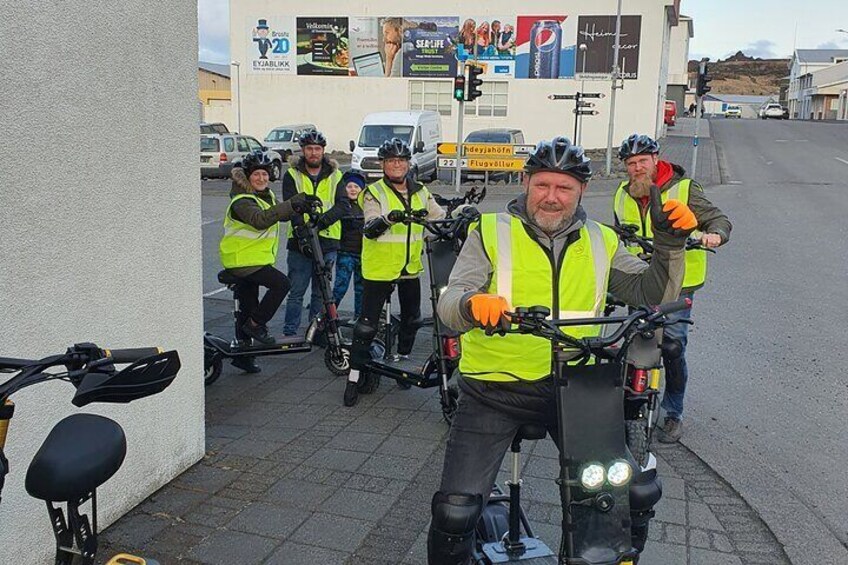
(674, 217)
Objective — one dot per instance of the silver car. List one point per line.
(219, 152)
(285, 139)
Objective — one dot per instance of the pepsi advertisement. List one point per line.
(540, 49)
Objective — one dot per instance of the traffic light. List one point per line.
(703, 80)
(472, 82)
(459, 88)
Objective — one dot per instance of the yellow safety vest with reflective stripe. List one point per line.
(523, 273)
(245, 246)
(628, 211)
(326, 191)
(398, 250)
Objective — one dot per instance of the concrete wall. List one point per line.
(100, 231)
(220, 111)
(338, 104)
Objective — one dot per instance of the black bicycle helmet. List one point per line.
(637, 144)
(312, 137)
(255, 161)
(394, 148)
(560, 156)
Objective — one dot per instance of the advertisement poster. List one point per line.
(322, 46)
(375, 46)
(598, 34)
(541, 48)
(271, 46)
(428, 49)
(494, 39)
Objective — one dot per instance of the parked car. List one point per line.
(733, 111)
(772, 110)
(492, 135)
(219, 152)
(214, 128)
(421, 129)
(284, 139)
(670, 112)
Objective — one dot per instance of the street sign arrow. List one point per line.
(593, 95)
(562, 96)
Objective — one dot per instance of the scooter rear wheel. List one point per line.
(637, 439)
(213, 364)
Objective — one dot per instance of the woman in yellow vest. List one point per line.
(249, 246)
(391, 255)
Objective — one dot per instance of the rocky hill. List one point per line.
(740, 74)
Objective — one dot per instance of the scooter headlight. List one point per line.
(619, 473)
(592, 476)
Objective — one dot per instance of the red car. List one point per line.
(670, 112)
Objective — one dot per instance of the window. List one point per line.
(243, 147)
(229, 144)
(280, 135)
(374, 135)
(493, 102)
(209, 145)
(434, 95)
(253, 144)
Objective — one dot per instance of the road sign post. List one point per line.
(579, 105)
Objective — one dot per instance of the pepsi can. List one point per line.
(545, 46)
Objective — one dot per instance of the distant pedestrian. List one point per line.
(692, 109)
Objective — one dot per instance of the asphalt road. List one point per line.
(768, 395)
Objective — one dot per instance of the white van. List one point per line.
(422, 130)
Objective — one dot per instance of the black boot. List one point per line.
(259, 333)
(246, 364)
(351, 394)
(446, 549)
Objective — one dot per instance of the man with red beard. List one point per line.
(631, 205)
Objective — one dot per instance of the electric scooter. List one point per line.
(326, 324)
(82, 451)
(607, 500)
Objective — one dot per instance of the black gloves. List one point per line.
(303, 203)
(396, 216)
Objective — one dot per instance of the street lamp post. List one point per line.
(615, 86)
(237, 65)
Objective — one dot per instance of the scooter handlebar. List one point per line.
(671, 307)
(131, 355)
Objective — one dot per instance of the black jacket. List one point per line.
(340, 208)
(352, 230)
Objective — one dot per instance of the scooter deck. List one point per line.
(289, 344)
(409, 371)
(536, 553)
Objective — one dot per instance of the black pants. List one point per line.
(374, 296)
(278, 286)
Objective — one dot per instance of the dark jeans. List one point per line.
(348, 266)
(248, 294)
(676, 370)
(302, 274)
(481, 433)
(374, 296)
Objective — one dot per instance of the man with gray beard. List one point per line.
(542, 251)
(631, 205)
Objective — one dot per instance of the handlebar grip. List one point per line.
(676, 306)
(131, 355)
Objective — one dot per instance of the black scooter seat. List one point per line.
(530, 432)
(81, 453)
(227, 278)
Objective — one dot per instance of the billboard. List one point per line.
(323, 46)
(491, 40)
(541, 51)
(428, 49)
(375, 46)
(271, 46)
(598, 34)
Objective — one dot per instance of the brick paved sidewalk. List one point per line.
(291, 476)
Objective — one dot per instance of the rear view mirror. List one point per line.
(352, 146)
(146, 377)
(419, 147)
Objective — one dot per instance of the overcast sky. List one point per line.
(759, 28)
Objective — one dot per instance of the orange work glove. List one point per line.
(489, 311)
(674, 217)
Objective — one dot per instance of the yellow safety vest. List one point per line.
(245, 246)
(523, 273)
(398, 250)
(628, 211)
(326, 191)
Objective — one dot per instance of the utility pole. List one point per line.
(615, 86)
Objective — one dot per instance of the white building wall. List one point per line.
(678, 58)
(338, 104)
(100, 232)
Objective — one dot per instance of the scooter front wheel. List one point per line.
(213, 364)
(337, 359)
(637, 439)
